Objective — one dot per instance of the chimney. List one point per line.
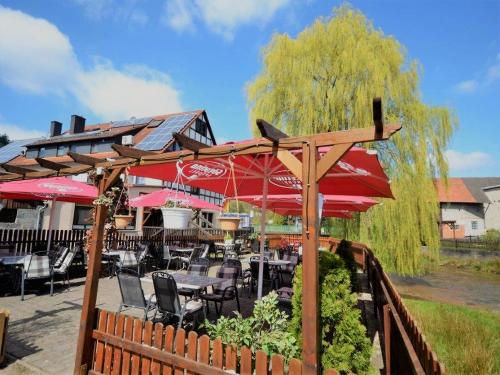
(55, 128)
(77, 124)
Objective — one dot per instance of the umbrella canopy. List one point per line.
(56, 188)
(160, 197)
(283, 204)
(357, 173)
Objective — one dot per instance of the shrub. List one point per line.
(345, 346)
(344, 252)
(266, 329)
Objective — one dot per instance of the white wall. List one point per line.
(492, 210)
(63, 216)
(465, 214)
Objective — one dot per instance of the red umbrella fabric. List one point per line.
(59, 188)
(358, 173)
(160, 197)
(293, 203)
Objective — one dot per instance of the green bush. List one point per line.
(344, 252)
(266, 329)
(345, 346)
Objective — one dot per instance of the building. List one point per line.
(153, 133)
(469, 206)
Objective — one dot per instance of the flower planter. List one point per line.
(176, 218)
(123, 221)
(229, 223)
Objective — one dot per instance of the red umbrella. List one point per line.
(55, 189)
(160, 197)
(358, 172)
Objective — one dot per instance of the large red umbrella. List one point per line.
(160, 197)
(358, 172)
(55, 189)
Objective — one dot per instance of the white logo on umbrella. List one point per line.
(348, 167)
(286, 180)
(203, 170)
(60, 188)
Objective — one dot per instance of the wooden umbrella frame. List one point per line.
(310, 171)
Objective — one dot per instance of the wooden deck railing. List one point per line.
(128, 345)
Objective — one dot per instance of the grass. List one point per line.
(487, 266)
(466, 340)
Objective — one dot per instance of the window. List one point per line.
(81, 148)
(82, 218)
(473, 225)
(102, 145)
(32, 153)
(48, 151)
(201, 127)
(62, 150)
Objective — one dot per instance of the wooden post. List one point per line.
(387, 338)
(84, 344)
(310, 277)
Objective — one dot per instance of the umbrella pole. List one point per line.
(262, 237)
(51, 219)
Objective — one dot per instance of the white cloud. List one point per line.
(463, 161)
(466, 87)
(16, 132)
(178, 15)
(35, 57)
(221, 16)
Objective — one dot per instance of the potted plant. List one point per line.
(228, 239)
(229, 221)
(176, 215)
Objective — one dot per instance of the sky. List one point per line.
(113, 59)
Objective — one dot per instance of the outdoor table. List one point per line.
(193, 282)
(13, 261)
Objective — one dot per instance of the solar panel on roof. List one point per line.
(131, 121)
(14, 149)
(162, 134)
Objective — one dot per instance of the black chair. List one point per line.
(225, 291)
(132, 293)
(269, 276)
(230, 255)
(168, 303)
(198, 267)
(289, 269)
(143, 255)
(195, 254)
(61, 266)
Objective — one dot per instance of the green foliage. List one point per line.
(465, 339)
(324, 80)
(345, 346)
(266, 329)
(492, 235)
(343, 251)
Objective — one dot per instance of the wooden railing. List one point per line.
(127, 345)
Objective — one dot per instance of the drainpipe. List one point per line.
(40, 210)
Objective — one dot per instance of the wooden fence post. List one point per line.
(387, 338)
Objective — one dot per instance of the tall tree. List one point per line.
(324, 80)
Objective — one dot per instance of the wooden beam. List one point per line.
(310, 273)
(84, 159)
(378, 116)
(131, 152)
(18, 169)
(188, 143)
(269, 131)
(330, 158)
(112, 178)
(84, 348)
(51, 164)
(291, 162)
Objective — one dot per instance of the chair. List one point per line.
(127, 259)
(62, 267)
(36, 267)
(197, 267)
(206, 250)
(168, 302)
(243, 275)
(226, 290)
(195, 254)
(268, 275)
(142, 257)
(230, 255)
(290, 268)
(132, 293)
(167, 256)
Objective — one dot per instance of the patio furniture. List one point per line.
(289, 269)
(168, 302)
(35, 267)
(126, 259)
(225, 291)
(195, 254)
(132, 293)
(167, 256)
(205, 252)
(243, 276)
(142, 254)
(230, 255)
(268, 275)
(285, 295)
(61, 267)
(197, 267)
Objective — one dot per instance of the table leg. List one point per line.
(22, 283)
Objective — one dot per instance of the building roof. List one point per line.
(465, 190)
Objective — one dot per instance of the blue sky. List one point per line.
(110, 59)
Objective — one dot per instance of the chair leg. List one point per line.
(238, 302)
(67, 274)
(52, 284)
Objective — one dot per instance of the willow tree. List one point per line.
(324, 80)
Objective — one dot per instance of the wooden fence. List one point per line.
(127, 345)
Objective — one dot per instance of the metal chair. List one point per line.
(35, 267)
(127, 260)
(226, 290)
(198, 267)
(167, 256)
(168, 302)
(142, 255)
(268, 276)
(195, 254)
(62, 267)
(132, 293)
(206, 249)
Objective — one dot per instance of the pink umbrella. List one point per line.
(55, 189)
(160, 197)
